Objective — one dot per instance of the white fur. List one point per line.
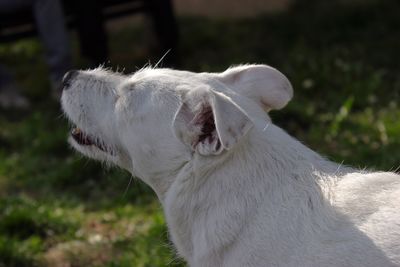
(244, 193)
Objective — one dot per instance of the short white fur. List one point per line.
(237, 191)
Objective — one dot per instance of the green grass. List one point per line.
(59, 208)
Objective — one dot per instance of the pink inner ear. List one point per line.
(205, 119)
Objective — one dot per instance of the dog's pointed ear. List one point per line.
(209, 121)
(262, 83)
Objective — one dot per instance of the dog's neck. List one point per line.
(219, 196)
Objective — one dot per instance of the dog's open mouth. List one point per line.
(84, 139)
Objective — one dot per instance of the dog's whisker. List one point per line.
(265, 128)
(161, 59)
(61, 116)
(127, 187)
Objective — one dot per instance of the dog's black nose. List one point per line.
(68, 77)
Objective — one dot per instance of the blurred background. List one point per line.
(59, 209)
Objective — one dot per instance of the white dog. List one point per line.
(236, 189)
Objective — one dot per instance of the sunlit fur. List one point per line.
(258, 197)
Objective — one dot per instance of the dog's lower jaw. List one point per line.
(117, 157)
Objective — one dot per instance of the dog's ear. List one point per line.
(209, 121)
(262, 83)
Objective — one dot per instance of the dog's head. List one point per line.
(154, 121)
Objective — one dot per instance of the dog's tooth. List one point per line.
(76, 130)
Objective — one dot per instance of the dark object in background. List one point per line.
(89, 23)
(50, 23)
(166, 30)
(88, 17)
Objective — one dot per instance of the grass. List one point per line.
(59, 209)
